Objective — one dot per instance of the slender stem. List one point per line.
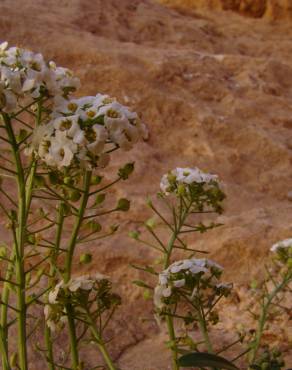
(78, 223)
(204, 330)
(68, 267)
(171, 333)
(19, 247)
(72, 337)
(48, 334)
(263, 317)
(101, 345)
(4, 352)
(167, 256)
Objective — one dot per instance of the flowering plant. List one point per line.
(54, 146)
(188, 290)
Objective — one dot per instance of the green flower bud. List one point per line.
(150, 223)
(85, 258)
(93, 226)
(66, 209)
(123, 205)
(74, 195)
(95, 180)
(68, 180)
(181, 189)
(99, 198)
(31, 238)
(134, 235)
(126, 171)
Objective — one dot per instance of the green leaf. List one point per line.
(201, 359)
(141, 283)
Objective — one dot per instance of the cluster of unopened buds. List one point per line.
(179, 180)
(191, 277)
(62, 293)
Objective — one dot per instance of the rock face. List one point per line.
(216, 91)
(271, 9)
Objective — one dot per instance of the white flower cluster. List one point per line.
(24, 74)
(177, 275)
(84, 282)
(55, 313)
(283, 251)
(184, 176)
(83, 130)
(283, 244)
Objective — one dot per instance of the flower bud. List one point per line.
(134, 235)
(74, 195)
(181, 189)
(126, 171)
(85, 258)
(68, 180)
(95, 180)
(123, 205)
(99, 198)
(94, 226)
(150, 223)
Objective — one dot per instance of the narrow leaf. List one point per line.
(201, 359)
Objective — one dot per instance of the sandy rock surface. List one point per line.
(270, 9)
(216, 91)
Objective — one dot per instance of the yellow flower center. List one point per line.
(90, 113)
(113, 114)
(65, 125)
(72, 107)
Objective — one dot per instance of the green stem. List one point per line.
(4, 352)
(167, 256)
(68, 267)
(19, 248)
(172, 338)
(101, 345)
(204, 330)
(263, 316)
(53, 270)
(78, 223)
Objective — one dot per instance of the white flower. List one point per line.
(286, 243)
(176, 274)
(185, 176)
(179, 283)
(53, 295)
(96, 138)
(62, 149)
(81, 282)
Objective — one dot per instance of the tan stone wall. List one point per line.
(270, 9)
